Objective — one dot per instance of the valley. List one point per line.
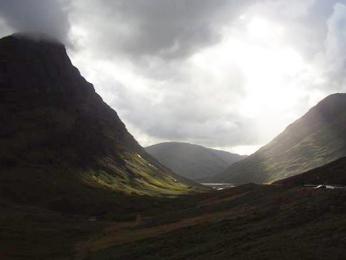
(249, 221)
(218, 186)
(75, 184)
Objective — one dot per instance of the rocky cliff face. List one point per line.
(55, 127)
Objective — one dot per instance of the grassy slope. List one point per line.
(247, 222)
(333, 173)
(31, 232)
(140, 178)
(314, 140)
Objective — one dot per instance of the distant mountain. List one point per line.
(192, 161)
(315, 139)
(60, 144)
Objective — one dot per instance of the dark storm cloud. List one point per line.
(166, 28)
(49, 17)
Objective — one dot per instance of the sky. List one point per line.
(226, 74)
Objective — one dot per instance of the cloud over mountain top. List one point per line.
(221, 73)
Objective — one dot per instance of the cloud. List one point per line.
(221, 73)
(148, 67)
(336, 38)
(186, 107)
(49, 17)
(183, 76)
(304, 21)
(170, 29)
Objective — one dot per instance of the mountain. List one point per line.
(315, 139)
(192, 161)
(68, 166)
(61, 146)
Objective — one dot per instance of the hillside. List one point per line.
(333, 173)
(192, 161)
(61, 146)
(246, 222)
(315, 139)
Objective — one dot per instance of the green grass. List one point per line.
(137, 177)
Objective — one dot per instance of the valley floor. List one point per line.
(245, 222)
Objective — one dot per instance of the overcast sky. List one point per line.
(229, 74)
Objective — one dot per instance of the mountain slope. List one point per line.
(333, 173)
(315, 139)
(59, 142)
(192, 161)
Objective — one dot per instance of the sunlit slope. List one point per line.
(59, 140)
(192, 161)
(317, 138)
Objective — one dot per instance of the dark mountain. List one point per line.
(192, 161)
(59, 142)
(315, 139)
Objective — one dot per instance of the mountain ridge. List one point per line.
(317, 138)
(192, 160)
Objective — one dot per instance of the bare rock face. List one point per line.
(53, 121)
